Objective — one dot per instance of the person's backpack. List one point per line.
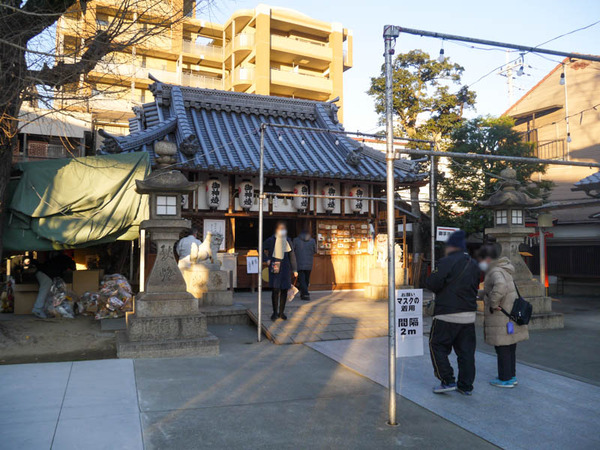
(521, 310)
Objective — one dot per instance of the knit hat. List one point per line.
(457, 239)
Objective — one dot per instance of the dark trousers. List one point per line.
(507, 361)
(278, 298)
(303, 282)
(446, 336)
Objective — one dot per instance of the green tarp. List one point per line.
(76, 202)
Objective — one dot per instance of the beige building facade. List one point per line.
(266, 50)
(561, 116)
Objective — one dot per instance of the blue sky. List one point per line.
(523, 22)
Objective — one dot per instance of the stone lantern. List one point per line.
(509, 205)
(166, 321)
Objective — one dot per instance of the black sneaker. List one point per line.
(467, 393)
(305, 298)
(274, 317)
(282, 316)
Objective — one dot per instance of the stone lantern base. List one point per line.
(166, 325)
(209, 284)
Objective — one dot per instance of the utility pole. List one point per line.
(507, 71)
(390, 34)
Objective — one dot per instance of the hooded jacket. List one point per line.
(454, 294)
(499, 290)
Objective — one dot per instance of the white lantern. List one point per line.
(356, 203)
(213, 193)
(300, 203)
(328, 202)
(246, 194)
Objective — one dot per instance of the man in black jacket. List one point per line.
(454, 282)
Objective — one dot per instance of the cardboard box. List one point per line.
(86, 280)
(25, 295)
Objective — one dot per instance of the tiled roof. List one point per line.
(588, 183)
(219, 131)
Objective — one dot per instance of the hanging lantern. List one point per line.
(213, 193)
(329, 203)
(356, 203)
(246, 194)
(300, 203)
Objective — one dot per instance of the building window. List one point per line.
(501, 217)
(166, 205)
(517, 217)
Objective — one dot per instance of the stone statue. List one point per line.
(207, 252)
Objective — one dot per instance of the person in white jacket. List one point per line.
(186, 247)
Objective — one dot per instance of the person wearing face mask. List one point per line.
(454, 282)
(500, 293)
(305, 248)
(281, 259)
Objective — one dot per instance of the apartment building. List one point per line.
(266, 50)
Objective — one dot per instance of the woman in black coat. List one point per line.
(281, 259)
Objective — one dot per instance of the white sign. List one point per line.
(443, 233)
(251, 264)
(409, 322)
(215, 226)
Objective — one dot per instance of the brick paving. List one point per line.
(327, 316)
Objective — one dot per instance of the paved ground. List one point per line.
(253, 396)
(544, 411)
(328, 316)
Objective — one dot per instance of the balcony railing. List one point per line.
(241, 41)
(553, 149)
(199, 81)
(300, 80)
(302, 46)
(204, 51)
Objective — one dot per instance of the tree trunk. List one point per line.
(415, 208)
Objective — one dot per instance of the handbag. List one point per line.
(521, 310)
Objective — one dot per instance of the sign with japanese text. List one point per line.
(443, 233)
(409, 322)
(251, 264)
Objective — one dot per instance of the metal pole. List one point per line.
(564, 68)
(543, 259)
(142, 259)
(389, 35)
(131, 265)
(432, 209)
(523, 48)
(261, 182)
(520, 159)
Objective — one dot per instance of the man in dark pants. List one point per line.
(455, 282)
(305, 248)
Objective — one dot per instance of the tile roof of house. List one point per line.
(219, 131)
(589, 183)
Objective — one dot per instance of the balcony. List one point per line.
(199, 81)
(299, 46)
(203, 51)
(242, 42)
(302, 81)
(243, 76)
(163, 75)
(553, 149)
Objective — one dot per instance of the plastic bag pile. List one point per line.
(115, 297)
(60, 302)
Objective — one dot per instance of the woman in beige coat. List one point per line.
(500, 293)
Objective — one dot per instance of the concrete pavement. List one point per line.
(252, 396)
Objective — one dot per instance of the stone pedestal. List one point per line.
(509, 238)
(208, 284)
(166, 321)
(378, 282)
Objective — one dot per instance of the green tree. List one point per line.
(478, 179)
(424, 106)
(429, 102)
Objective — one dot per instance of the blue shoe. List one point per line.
(39, 314)
(514, 380)
(444, 388)
(467, 393)
(502, 384)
